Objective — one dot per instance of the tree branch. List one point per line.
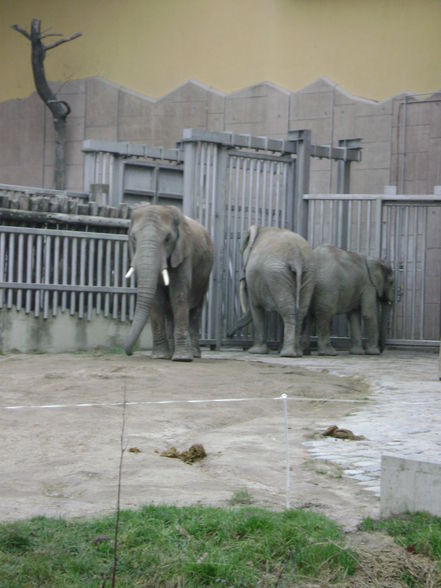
(21, 31)
(61, 41)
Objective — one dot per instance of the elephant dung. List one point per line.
(334, 431)
(194, 453)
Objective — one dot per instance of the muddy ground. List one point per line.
(63, 460)
(61, 419)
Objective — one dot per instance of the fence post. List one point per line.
(219, 238)
(344, 186)
(301, 183)
(189, 199)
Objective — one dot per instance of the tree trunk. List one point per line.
(59, 108)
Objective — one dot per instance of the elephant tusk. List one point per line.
(130, 272)
(165, 277)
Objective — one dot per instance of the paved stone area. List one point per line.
(401, 418)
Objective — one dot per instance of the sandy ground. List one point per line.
(58, 458)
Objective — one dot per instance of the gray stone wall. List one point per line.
(401, 136)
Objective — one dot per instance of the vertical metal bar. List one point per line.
(20, 270)
(64, 277)
(322, 222)
(107, 277)
(82, 276)
(349, 226)
(38, 275)
(278, 215)
(311, 228)
(208, 172)
(271, 193)
(73, 273)
(203, 213)
(2, 265)
(11, 258)
(234, 281)
(331, 222)
(116, 271)
(378, 226)
(229, 273)
(265, 210)
(339, 236)
(47, 268)
(250, 195)
(56, 274)
(423, 270)
(397, 267)
(360, 206)
(415, 267)
(29, 259)
(259, 211)
(368, 227)
(285, 197)
(125, 262)
(406, 258)
(99, 280)
(189, 204)
(91, 277)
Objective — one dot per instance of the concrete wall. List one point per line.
(401, 142)
(63, 333)
(409, 485)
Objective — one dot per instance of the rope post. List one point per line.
(284, 397)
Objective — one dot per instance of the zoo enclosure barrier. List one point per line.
(405, 230)
(228, 182)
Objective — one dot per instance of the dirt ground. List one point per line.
(63, 459)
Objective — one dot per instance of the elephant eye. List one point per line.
(167, 238)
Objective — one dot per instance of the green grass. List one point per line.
(418, 533)
(169, 546)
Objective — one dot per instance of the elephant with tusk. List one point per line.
(172, 256)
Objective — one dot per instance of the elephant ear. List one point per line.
(375, 269)
(183, 241)
(248, 243)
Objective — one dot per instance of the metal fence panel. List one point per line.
(404, 230)
(47, 271)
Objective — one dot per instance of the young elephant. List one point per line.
(172, 256)
(279, 276)
(355, 285)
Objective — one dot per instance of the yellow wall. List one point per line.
(371, 48)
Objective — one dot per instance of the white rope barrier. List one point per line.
(159, 402)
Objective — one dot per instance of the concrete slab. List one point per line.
(409, 485)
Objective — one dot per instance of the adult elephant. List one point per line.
(278, 276)
(172, 256)
(355, 285)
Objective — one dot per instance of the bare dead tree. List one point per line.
(60, 109)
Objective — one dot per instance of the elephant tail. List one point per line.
(241, 323)
(243, 296)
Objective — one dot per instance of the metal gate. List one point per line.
(234, 181)
(404, 230)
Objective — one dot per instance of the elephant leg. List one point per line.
(258, 315)
(291, 344)
(161, 349)
(195, 327)
(370, 318)
(355, 322)
(181, 336)
(324, 336)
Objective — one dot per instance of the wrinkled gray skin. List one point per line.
(355, 285)
(279, 276)
(162, 237)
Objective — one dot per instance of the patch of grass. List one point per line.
(189, 547)
(418, 533)
(241, 498)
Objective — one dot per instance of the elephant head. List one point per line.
(159, 240)
(382, 277)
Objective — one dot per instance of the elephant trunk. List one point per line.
(147, 274)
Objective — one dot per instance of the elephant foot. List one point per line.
(259, 348)
(328, 350)
(372, 350)
(161, 352)
(356, 350)
(290, 352)
(182, 357)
